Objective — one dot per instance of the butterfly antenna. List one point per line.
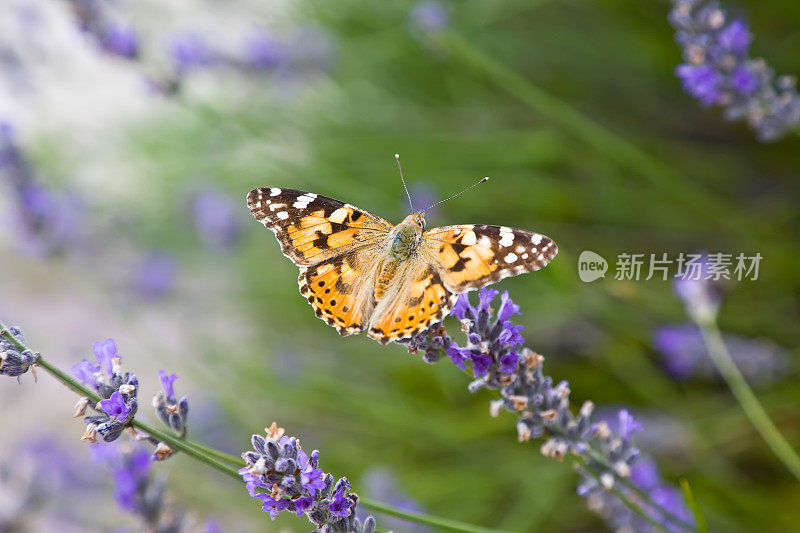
(397, 156)
(459, 194)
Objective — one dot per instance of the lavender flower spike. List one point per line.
(12, 361)
(718, 70)
(171, 411)
(285, 478)
(119, 404)
(500, 362)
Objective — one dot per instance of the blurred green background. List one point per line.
(573, 109)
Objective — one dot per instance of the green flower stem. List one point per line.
(212, 458)
(444, 523)
(702, 526)
(587, 130)
(597, 456)
(747, 399)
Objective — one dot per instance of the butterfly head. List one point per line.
(407, 235)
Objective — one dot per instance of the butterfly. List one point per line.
(360, 272)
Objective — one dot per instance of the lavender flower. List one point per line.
(719, 72)
(492, 344)
(156, 275)
(189, 51)
(216, 221)
(136, 491)
(694, 285)
(119, 404)
(264, 52)
(13, 362)
(172, 412)
(644, 475)
(45, 221)
(685, 354)
(293, 481)
(429, 17)
(542, 407)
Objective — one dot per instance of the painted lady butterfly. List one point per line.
(359, 271)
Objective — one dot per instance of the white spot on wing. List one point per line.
(283, 215)
(469, 238)
(339, 215)
(536, 239)
(274, 191)
(510, 258)
(506, 237)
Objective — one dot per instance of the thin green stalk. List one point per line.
(209, 456)
(587, 130)
(702, 526)
(747, 399)
(431, 520)
(597, 456)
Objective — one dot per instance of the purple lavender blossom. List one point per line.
(106, 352)
(216, 220)
(156, 275)
(115, 407)
(189, 51)
(264, 52)
(14, 362)
(718, 70)
(119, 404)
(694, 285)
(702, 82)
(172, 412)
(429, 17)
(285, 478)
(685, 354)
(120, 40)
(492, 343)
(167, 383)
(85, 372)
(46, 222)
(543, 407)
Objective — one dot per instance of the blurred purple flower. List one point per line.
(85, 373)
(216, 220)
(718, 71)
(45, 222)
(106, 352)
(189, 51)
(120, 39)
(167, 382)
(701, 81)
(156, 275)
(685, 354)
(694, 285)
(264, 52)
(429, 17)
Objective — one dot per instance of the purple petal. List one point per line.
(480, 364)
(508, 363)
(105, 351)
(461, 306)
(458, 355)
(485, 296)
(166, 384)
(735, 37)
(84, 372)
(507, 308)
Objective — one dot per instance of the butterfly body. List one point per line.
(360, 272)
